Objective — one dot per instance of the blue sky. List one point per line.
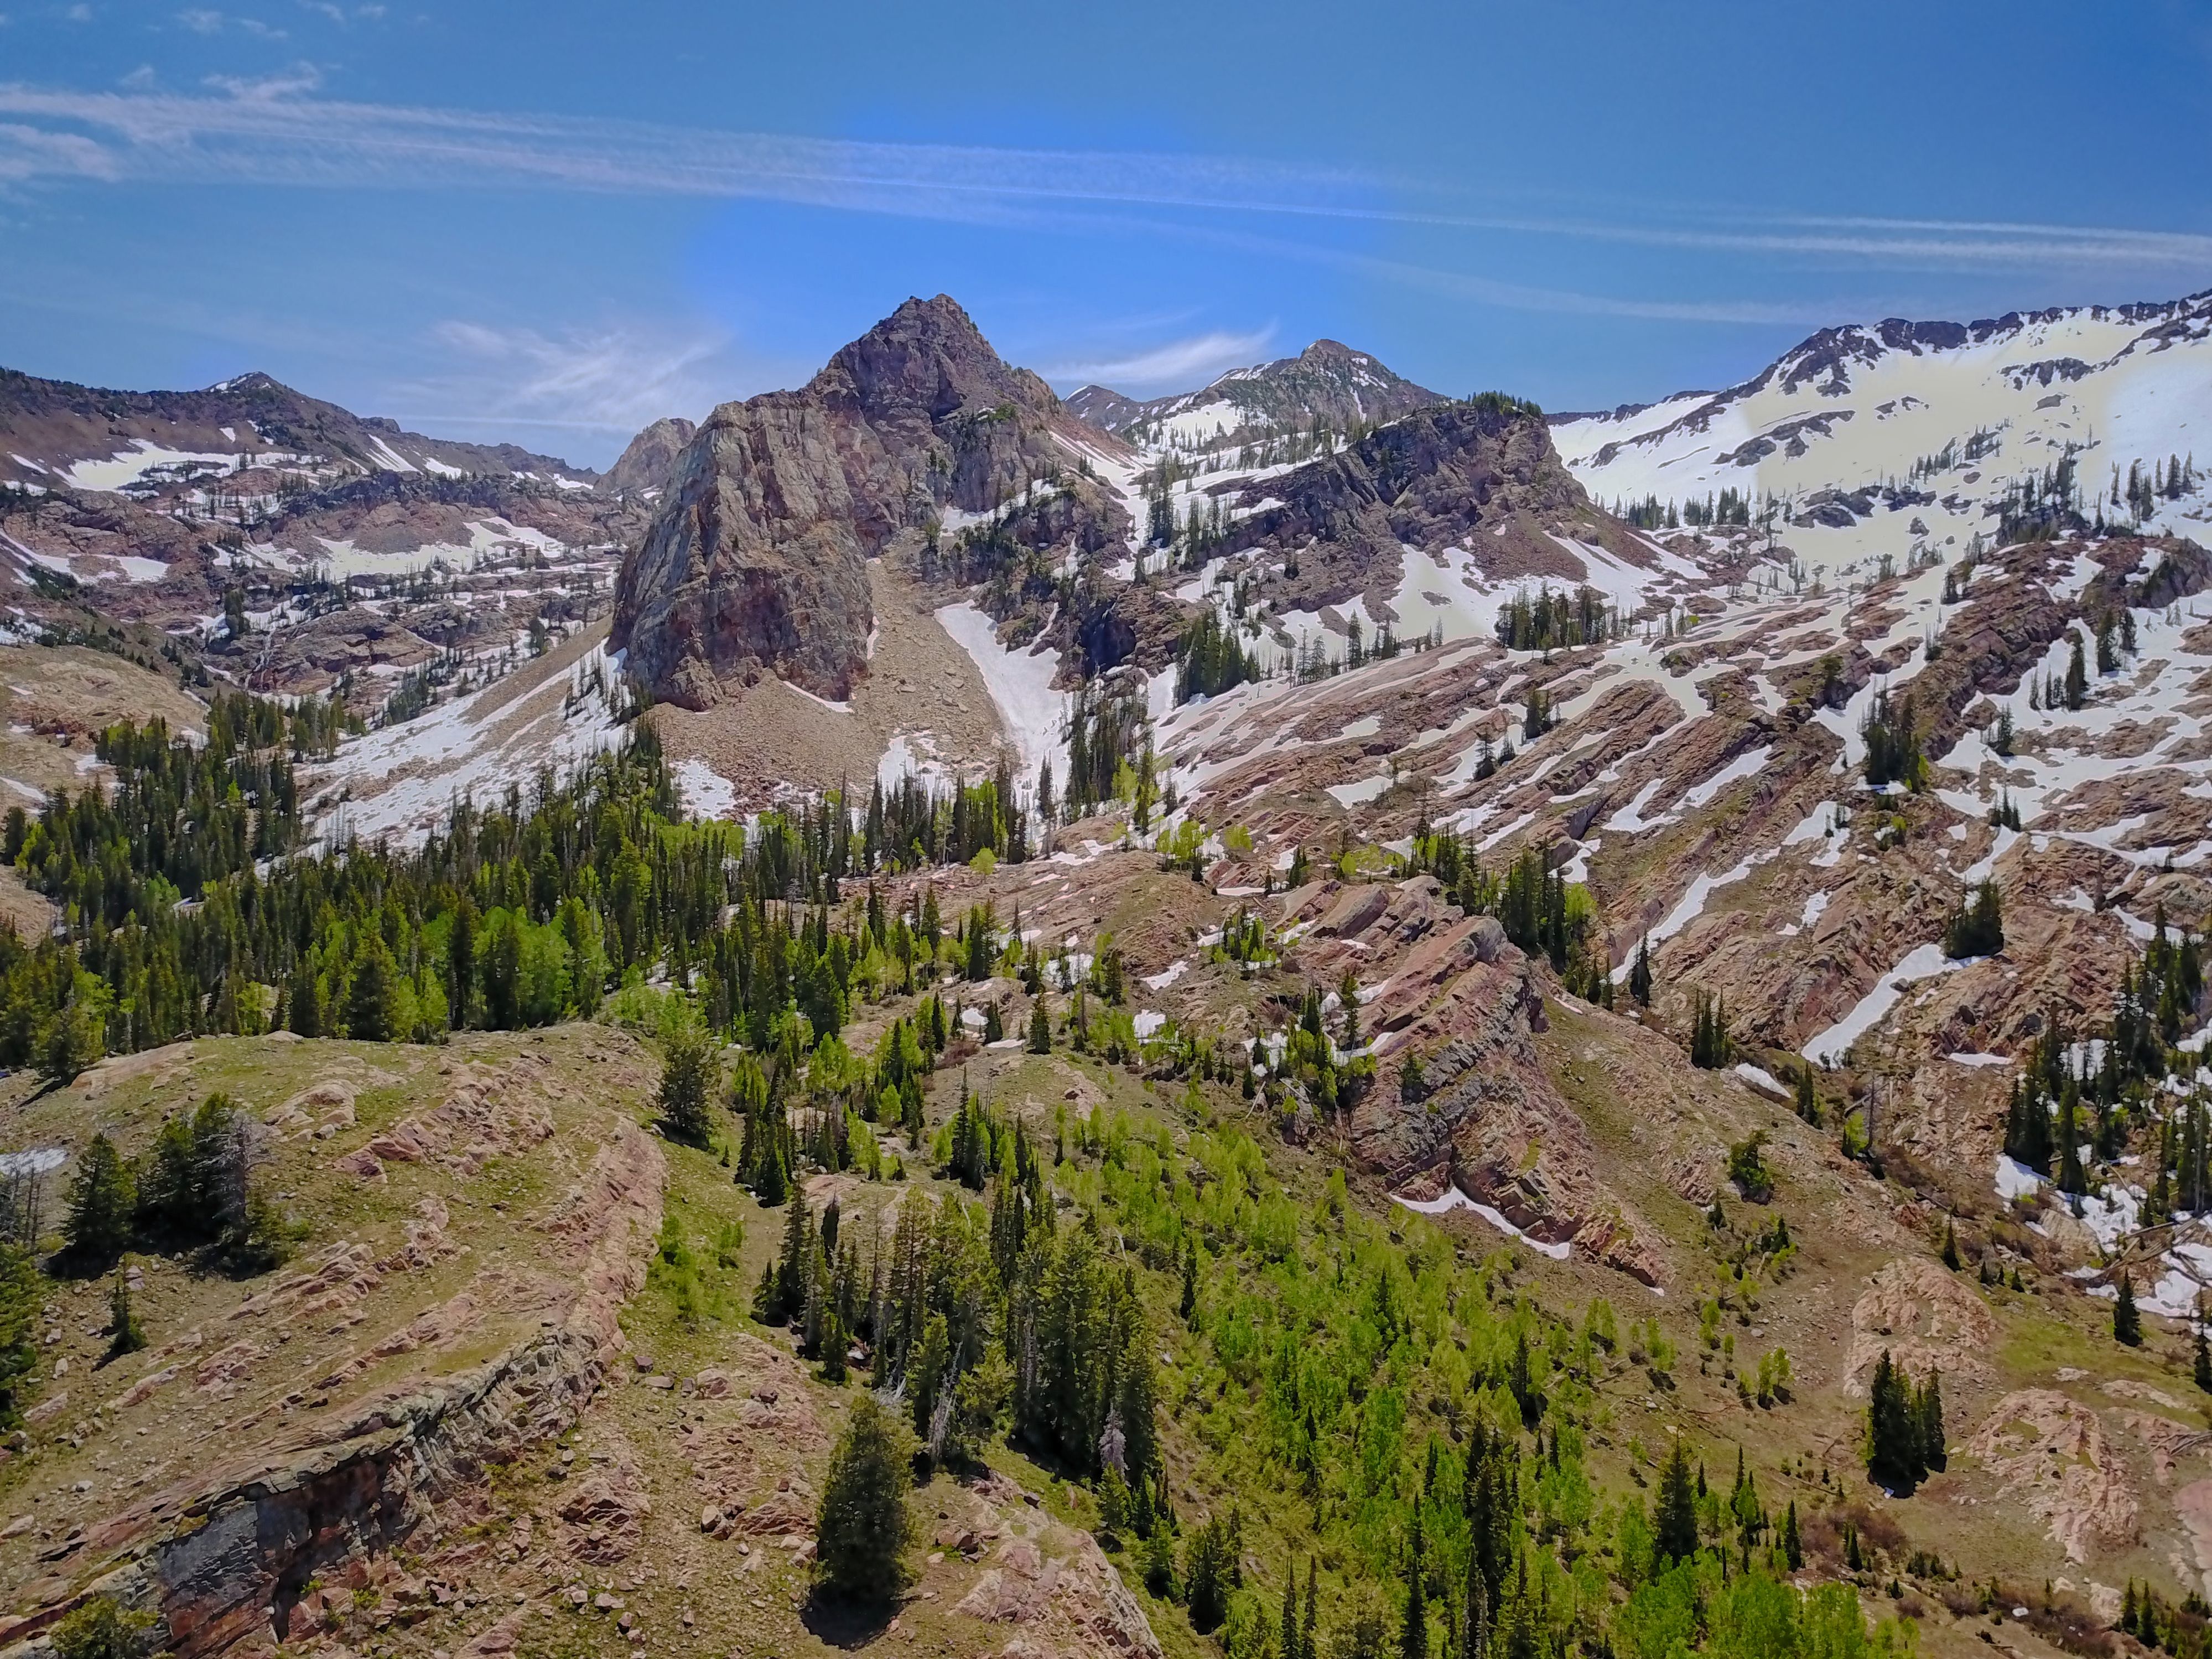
(554, 222)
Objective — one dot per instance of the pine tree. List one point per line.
(1808, 1101)
(2077, 677)
(1188, 1308)
(125, 1333)
(863, 1526)
(1207, 1562)
(1793, 1548)
(1040, 1026)
(1639, 976)
(1950, 1246)
(1928, 1421)
(1904, 1426)
(1675, 1526)
(2127, 1323)
(690, 1072)
(1413, 1630)
(370, 998)
(2203, 1361)
(96, 1228)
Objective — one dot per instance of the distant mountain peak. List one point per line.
(1328, 380)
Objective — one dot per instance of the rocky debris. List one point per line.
(2193, 1506)
(321, 1111)
(1926, 1318)
(2051, 1452)
(757, 557)
(605, 1512)
(2167, 1441)
(1052, 1582)
(336, 1277)
(482, 1117)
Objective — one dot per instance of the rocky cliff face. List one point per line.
(1482, 474)
(646, 464)
(757, 557)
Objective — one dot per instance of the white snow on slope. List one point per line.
(1922, 962)
(1454, 1198)
(1020, 683)
(402, 779)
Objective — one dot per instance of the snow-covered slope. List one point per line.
(1870, 439)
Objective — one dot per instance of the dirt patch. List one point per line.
(768, 738)
(31, 914)
(2193, 1505)
(2051, 1452)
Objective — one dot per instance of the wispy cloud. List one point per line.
(289, 139)
(609, 379)
(1175, 363)
(283, 85)
(270, 131)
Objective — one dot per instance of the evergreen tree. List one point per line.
(125, 1333)
(1928, 1421)
(1976, 928)
(1414, 1628)
(1793, 1548)
(2127, 1323)
(690, 1069)
(371, 997)
(1950, 1246)
(1675, 1525)
(96, 1227)
(863, 1526)
(461, 963)
(1208, 1562)
(1639, 976)
(2203, 1366)
(1904, 1426)
(1808, 1101)
(1040, 1026)
(2077, 677)
(303, 1010)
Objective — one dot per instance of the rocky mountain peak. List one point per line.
(643, 468)
(926, 361)
(1327, 381)
(756, 559)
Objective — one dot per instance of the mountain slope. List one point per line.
(1881, 438)
(58, 435)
